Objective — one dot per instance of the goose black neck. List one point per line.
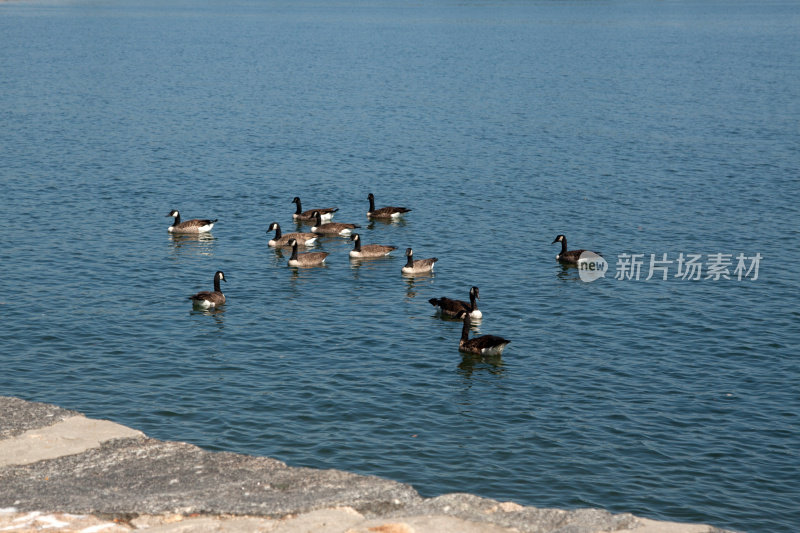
(358, 245)
(216, 284)
(318, 218)
(564, 245)
(473, 302)
(298, 211)
(465, 328)
(410, 262)
(294, 252)
(277, 232)
(177, 219)
(371, 203)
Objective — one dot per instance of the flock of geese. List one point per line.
(321, 224)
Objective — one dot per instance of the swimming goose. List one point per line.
(452, 308)
(305, 259)
(419, 266)
(331, 228)
(384, 212)
(568, 256)
(306, 239)
(194, 225)
(299, 214)
(368, 250)
(206, 299)
(483, 345)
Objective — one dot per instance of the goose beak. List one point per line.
(554, 241)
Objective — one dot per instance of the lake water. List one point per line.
(631, 127)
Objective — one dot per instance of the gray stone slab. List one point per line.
(18, 416)
(70, 436)
(148, 476)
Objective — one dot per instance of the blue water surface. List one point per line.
(631, 127)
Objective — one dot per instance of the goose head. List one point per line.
(559, 238)
(474, 292)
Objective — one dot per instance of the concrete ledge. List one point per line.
(60, 471)
(66, 437)
(20, 416)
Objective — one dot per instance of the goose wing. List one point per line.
(385, 212)
(202, 295)
(300, 237)
(309, 215)
(425, 263)
(485, 344)
(195, 223)
(312, 258)
(333, 227)
(208, 296)
(449, 306)
(376, 249)
(571, 256)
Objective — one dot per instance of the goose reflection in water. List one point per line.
(373, 222)
(412, 282)
(280, 258)
(199, 244)
(567, 272)
(356, 265)
(471, 363)
(217, 313)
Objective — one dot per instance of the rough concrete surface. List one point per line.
(71, 435)
(60, 471)
(19, 416)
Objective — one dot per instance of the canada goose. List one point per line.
(368, 250)
(568, 256)
(384, 212)
(451, 308)
(194, 225)
(306, 239)
(299, 214)
(483, 345)
(419, 266)
(305, 259)
(331, 228)
(206, 299)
